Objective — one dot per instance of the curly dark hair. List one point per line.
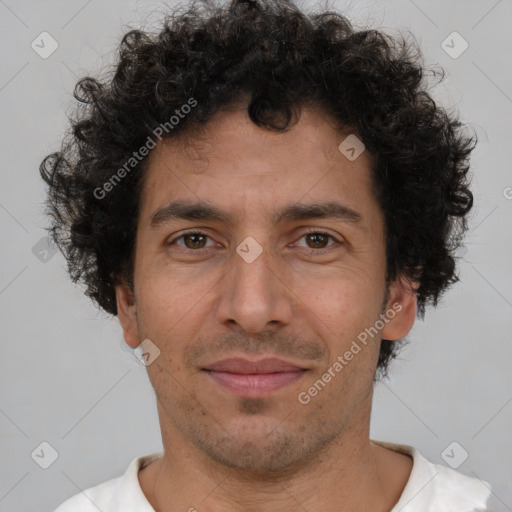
(281, 59)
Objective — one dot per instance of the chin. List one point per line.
(257, 455)
(264, 448)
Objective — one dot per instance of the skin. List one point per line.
(228, 453)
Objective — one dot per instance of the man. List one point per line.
(267, 199)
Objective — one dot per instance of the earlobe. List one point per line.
(127, 313)
(400, 309)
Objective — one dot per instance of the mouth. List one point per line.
(253, 379)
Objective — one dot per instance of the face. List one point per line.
(251, 272)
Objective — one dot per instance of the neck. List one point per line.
(352, 473)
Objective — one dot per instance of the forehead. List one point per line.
(234, 164)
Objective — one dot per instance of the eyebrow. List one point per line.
(186, 210)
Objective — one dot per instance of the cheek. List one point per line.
(174, 303)
(342, 295)
(172, 288)
(340, 308)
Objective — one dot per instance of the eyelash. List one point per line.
(205, 249)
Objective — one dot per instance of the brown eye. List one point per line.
(196, 240)
(191, 241)
(318, 240)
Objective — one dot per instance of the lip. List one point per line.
(254, 378)
(245, 366)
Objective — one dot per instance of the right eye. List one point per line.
(193, 241)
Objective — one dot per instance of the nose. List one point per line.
(253, 295)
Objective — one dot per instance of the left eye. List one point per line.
(317, 238)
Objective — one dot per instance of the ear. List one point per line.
(127, 313)
(401, 300)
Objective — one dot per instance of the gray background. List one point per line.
(67, 377)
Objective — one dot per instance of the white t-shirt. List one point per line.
(430, 488)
